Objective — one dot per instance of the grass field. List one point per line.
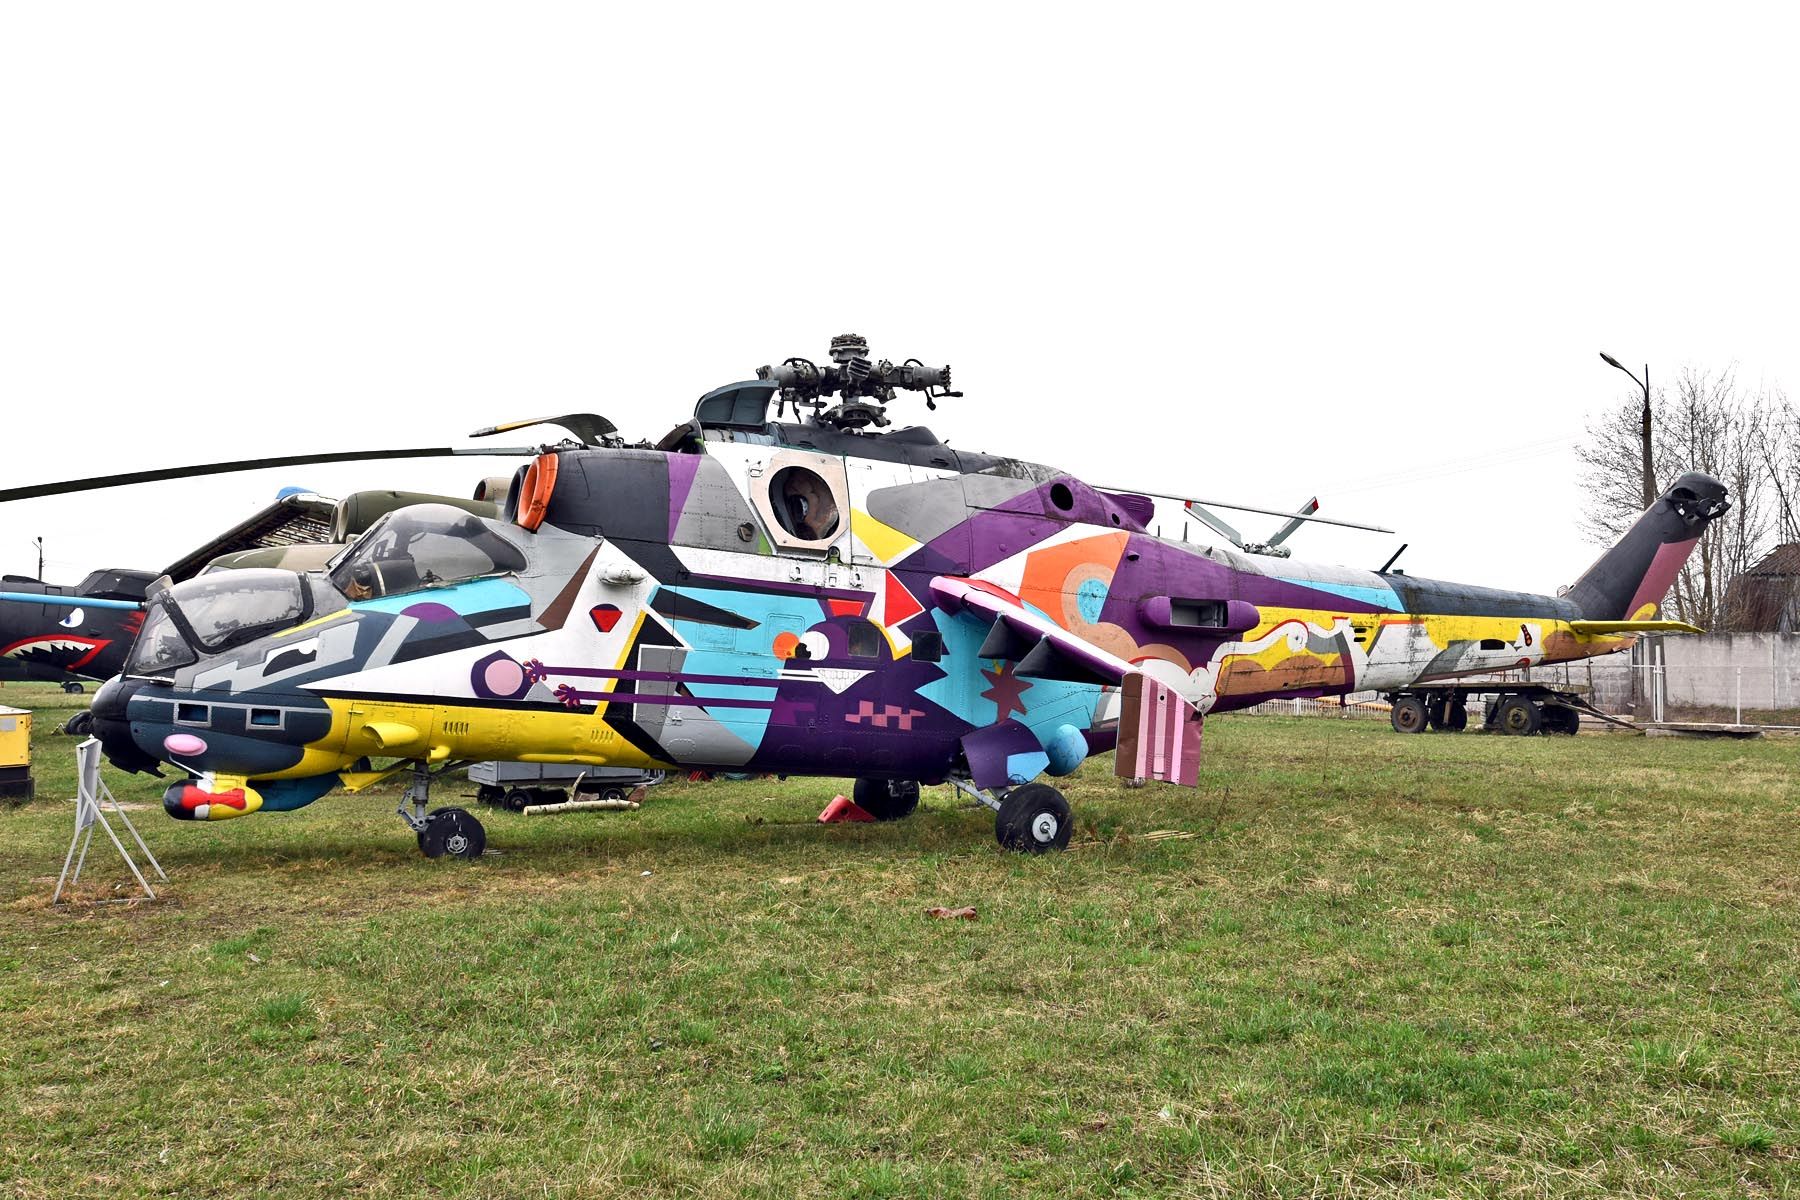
(1383, 965)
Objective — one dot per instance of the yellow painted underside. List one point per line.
(463, 733)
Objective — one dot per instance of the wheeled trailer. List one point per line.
(1519, 709)
(518, 786)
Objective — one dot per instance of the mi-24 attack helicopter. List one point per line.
(815, 595)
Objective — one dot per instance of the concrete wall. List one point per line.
(1704, 671)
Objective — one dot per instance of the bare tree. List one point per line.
(1704, 423)
(1781, 455)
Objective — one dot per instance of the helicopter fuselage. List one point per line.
(751, 604)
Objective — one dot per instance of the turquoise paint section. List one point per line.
(1090, 599)
(465, 599)
(1067, 750)
(1023, 768)
(962, 639)
(285, 795)
(1380, 597)
(746, 653)
(1050, 704)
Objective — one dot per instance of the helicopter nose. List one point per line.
(114, 730)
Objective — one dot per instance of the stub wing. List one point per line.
(1042, 648)
(1618, 627)
(1159, 729)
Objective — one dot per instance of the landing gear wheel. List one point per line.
(71, 687)
(1408, 715)
(519, 799)
(1558, 719)
(79, 725)
(487, 793)
(1034, 819)
(614, 794)
(452, 831)
(886, 799)
(1519, 717)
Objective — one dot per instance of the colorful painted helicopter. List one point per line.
(812, 596)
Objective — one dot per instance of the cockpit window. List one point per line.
(232, 606)
(214, 612)
(423, 546)
(159, 646)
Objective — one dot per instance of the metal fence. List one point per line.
(1363, 705)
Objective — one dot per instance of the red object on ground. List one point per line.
(842, 808)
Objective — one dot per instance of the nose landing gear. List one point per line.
(447, 831)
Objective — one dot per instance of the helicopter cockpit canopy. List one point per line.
(211, 613)
(423, 546)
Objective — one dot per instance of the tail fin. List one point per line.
(1629, 581)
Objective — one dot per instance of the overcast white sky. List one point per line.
(1242, 251)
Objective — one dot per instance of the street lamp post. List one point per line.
(40, 550)
(1649, 471)
(1646, 647)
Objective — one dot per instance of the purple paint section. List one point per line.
(431, 612)
(988, 749)
(679, 701)
(660, 676)
(682, 469)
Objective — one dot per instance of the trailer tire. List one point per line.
(1408, 715)
(1518, 716)
(1449, 715)
(1558, 719)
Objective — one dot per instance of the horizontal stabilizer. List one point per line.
(1616, 627)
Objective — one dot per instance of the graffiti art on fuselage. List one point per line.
(885, 619)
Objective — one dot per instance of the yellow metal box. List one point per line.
(15, 737)
(15, 754)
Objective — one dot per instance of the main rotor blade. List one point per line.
(590, 428)
(1294, 522)
(96, 482)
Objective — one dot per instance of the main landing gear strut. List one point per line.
(452, 831)
(1032, 818)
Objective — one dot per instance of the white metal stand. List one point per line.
(93, 801)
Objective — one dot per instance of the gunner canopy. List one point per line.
(212, 613)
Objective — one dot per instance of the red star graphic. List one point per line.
(1007, 691)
